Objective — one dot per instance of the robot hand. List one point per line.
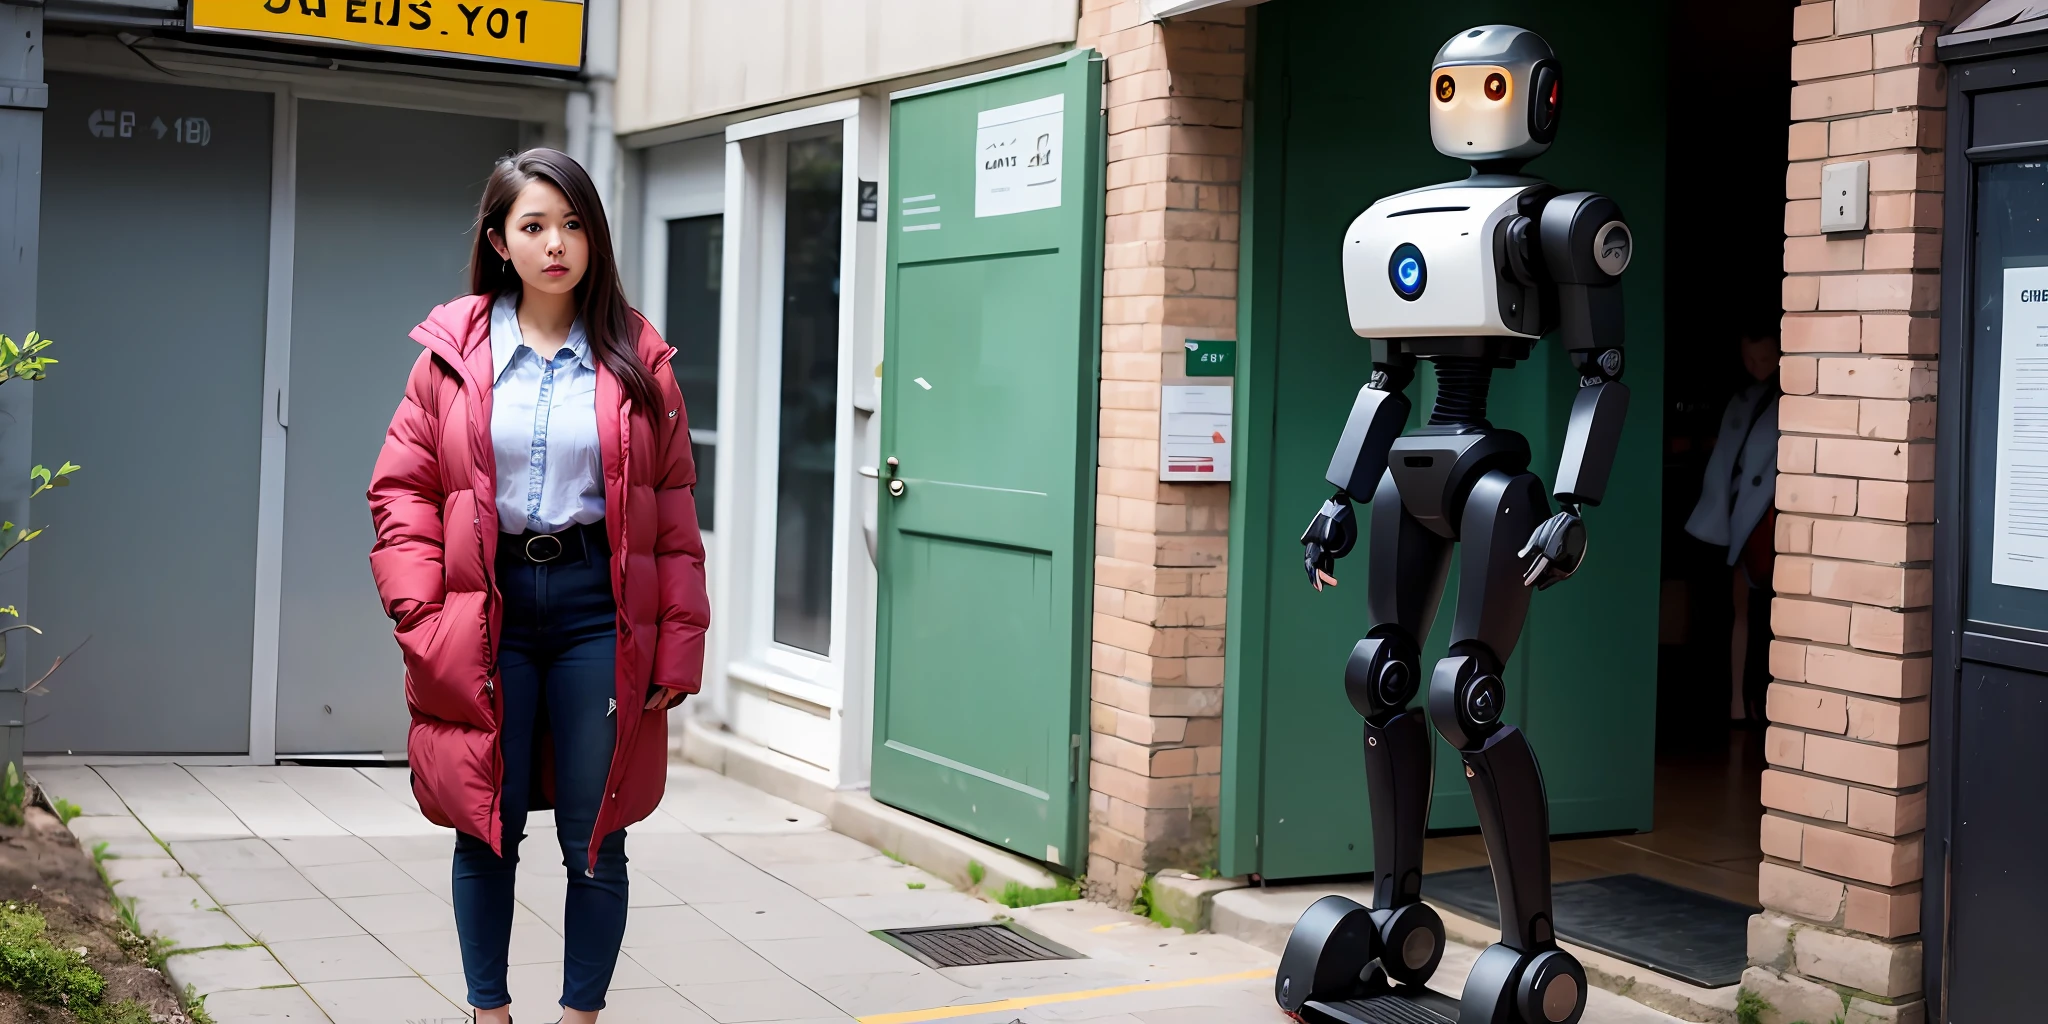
(1329, 537)
(1556, 548)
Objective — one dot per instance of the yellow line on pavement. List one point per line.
(1025, 1002)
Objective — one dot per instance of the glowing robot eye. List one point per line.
(1445, 88)
(1496, 86)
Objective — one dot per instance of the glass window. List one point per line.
(2011, 234)
(810, 396)
(695, 248)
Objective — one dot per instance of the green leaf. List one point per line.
(40, 474)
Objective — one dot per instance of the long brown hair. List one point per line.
(600, 300)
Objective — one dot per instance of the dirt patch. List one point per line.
(41, 865)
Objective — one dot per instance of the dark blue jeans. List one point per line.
(555, 666)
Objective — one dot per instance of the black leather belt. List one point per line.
(571, 545)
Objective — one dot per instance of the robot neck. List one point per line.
(1497, 168)
(1461, 386)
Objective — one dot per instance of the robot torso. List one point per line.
(1448, 262)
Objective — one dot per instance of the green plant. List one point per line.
(39, 969)
(127, 1011)
(913, 885)
(897, 857)
(13, 797)
(25, 361)
(976, 871)
(66, 810)
(195, 1006)
(1750, 1007)
(1146, 905)
(100, 854)
(1017, 895)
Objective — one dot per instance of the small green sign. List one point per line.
(1212, 358)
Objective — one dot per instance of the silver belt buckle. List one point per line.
(552, 548)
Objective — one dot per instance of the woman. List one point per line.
(537, 547)
(1736, 512)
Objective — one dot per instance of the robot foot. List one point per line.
(1350, 965)
(1401, 1006)
(1511, 987)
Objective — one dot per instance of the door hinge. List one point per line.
(1074, 758)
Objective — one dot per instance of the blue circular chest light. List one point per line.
(1407, 271)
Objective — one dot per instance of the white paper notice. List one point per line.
(1017, 157)
(1194, 433)
(2019, 519)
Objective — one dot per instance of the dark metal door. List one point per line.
(1985, 890)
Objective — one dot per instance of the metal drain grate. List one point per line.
(967, 945)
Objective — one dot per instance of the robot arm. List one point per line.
(1586, 246)
(1377, 417)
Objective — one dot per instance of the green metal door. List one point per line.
(1295, 802)
(987, 499)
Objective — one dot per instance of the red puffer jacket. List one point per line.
(433, 498)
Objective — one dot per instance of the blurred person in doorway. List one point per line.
(1737, 510)
(537, 547)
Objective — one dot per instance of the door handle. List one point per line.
(896, 486)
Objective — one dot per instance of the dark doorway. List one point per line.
(1726, 186)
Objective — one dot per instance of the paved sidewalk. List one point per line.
(320, 894)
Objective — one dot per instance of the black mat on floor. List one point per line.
(1689, 935)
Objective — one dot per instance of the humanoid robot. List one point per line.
(1467, 274)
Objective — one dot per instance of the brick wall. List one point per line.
(1845, 793)
(1175, 93)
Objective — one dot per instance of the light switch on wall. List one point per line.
(1845, 196)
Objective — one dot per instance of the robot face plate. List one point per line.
(1476, 109)
(1494, 94)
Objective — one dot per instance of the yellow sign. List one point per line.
(544, 33)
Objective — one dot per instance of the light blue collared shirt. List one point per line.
(543, 429)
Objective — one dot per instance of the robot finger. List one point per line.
(1324, 577)
(1535, 570)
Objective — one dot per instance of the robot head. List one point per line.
(1494, 95)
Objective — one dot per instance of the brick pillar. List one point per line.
(1845, 794)
(1175, 94)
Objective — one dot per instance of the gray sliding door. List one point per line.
(386, 198)
(153, 281)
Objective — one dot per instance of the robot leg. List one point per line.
(1336, 939)
(1525, 978)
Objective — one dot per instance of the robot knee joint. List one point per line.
(1383, 674)
(1466, 696)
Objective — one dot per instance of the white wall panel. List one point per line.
(680, 60)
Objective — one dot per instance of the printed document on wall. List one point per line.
(2019, 518)
(1017, 157)
(1194, 433)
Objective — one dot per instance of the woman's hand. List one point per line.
(662, 697)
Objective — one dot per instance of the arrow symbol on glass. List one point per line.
(158, 124)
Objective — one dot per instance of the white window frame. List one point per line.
(674, 187)
(812, 706)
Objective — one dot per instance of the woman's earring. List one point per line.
(507, 268)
